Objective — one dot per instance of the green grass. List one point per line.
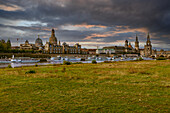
(136, 86)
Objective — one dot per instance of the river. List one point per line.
(13, 65)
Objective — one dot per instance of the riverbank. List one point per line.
(129, 86)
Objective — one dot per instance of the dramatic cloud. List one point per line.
(89, 22)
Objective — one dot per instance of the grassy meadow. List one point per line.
(132, 86)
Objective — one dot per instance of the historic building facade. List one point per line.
(127, 48)
(27, 46)
(54, 47)
(148, 47)
(39, 44)
(117, 49)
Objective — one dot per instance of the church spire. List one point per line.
(53, 33)
(137, 43)
(148, 42)
(148, 37)
(136, 38)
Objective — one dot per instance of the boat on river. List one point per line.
(58, 58)
(109, 58)
(5, 61)
(23, 60)
(75, 59)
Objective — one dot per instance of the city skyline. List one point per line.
(90, 23)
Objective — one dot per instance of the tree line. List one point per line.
(4, 46)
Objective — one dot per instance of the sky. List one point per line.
(90, 23)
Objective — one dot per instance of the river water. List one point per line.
(3, 65)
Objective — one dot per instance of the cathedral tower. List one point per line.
(126, 43)
(148, 47)
(53, 39)
(137, 43)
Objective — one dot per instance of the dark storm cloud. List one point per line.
(153, 15)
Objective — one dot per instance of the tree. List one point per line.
(1, 46)
(8, 44)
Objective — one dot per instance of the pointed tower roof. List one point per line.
(148, 37)
(136, 37)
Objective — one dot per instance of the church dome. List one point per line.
(26, 42)
(38, 42)
(53, 39)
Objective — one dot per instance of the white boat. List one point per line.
(98, 58)
(135, 58)
(5, 61)
(66, 59)
(75, 59)
(58, 58)
(23, 60)
(91, 58)
(15, 60)
(29, 60)
(109, 58)
(113, 58)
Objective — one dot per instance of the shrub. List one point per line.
(30, 72)
(94, 62)
(36, 65)
(66, 63)
(83, 59)
(9, 66)
(140, 59)
(161, 58)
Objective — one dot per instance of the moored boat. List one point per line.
(58, 58)
(109, 58)
(23, 60)
(5, 61)
(75, 59)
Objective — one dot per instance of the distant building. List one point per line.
(84, 51)
(117, 49)
(27, 46)
(39, 43)
(148, 47)
(92, 51)
(137, 44)
(128, 49)
(163, 53)
(15, 47)
(141, 51)
(53, 47)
